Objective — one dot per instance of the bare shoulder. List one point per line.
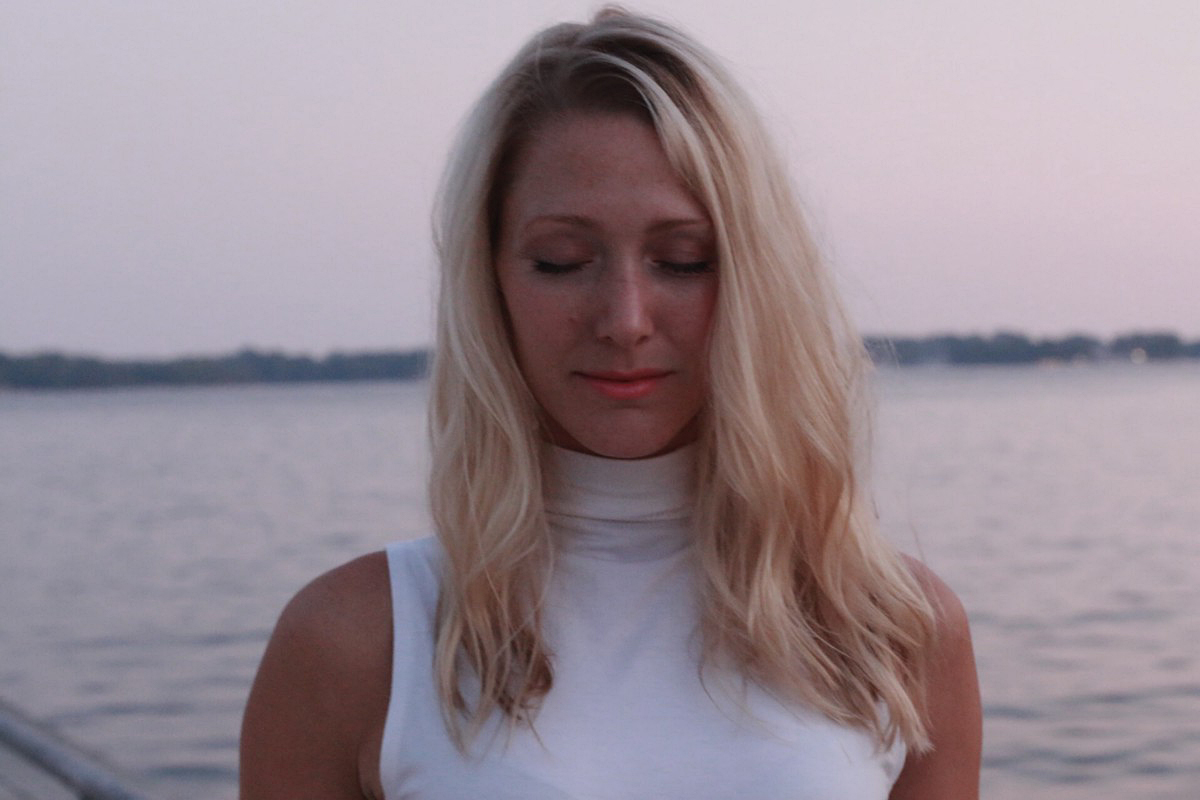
(950, 770)
(342, 604)
(317, 705)
(339, 623)
(952, 621)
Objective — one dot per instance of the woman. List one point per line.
(654, 572)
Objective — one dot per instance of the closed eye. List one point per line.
(685, 267)
(556, 268)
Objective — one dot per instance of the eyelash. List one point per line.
(674, 267)
(551, 268)
(685, 268)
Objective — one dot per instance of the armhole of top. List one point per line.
(404, 560)
(893, 760)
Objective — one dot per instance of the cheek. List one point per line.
(539, 324)
(694, 318)
(530, 319)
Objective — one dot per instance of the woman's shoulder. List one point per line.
(950, 615)
(350, 606)
(342, 602)
(950, 769)
(318, 700)
(336, 627)
(951, 659)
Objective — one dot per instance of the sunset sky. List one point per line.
(194, 177)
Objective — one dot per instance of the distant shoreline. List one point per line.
(1016, 348)
(54, 370)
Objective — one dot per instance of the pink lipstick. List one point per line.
(625, 385)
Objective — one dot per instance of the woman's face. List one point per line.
(606, 264)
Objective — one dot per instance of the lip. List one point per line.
(629, 385)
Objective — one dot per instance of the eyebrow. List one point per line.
(658, 226)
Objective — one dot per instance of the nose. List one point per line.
(623, 306)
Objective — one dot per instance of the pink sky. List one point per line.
(198, 177)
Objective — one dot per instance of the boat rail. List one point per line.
(83, 774)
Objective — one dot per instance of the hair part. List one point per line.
(800, 592)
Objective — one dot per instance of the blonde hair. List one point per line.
(800, 592)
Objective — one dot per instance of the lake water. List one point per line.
(150, 538)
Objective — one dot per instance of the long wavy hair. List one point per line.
(800, 593)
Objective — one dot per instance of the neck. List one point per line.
(625, 510)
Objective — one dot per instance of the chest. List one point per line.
(630, 715)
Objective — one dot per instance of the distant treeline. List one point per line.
(59, 371)
(1016, 348)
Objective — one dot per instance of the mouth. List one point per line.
(629, 385)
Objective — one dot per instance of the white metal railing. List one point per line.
(84, 774)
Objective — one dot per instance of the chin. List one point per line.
(625, 437)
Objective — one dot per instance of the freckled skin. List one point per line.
(606, 263)
(607, 267)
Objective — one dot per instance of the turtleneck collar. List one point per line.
(623, 510)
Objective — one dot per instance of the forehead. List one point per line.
(596, 163)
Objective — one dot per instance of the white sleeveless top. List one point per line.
(628, 717)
